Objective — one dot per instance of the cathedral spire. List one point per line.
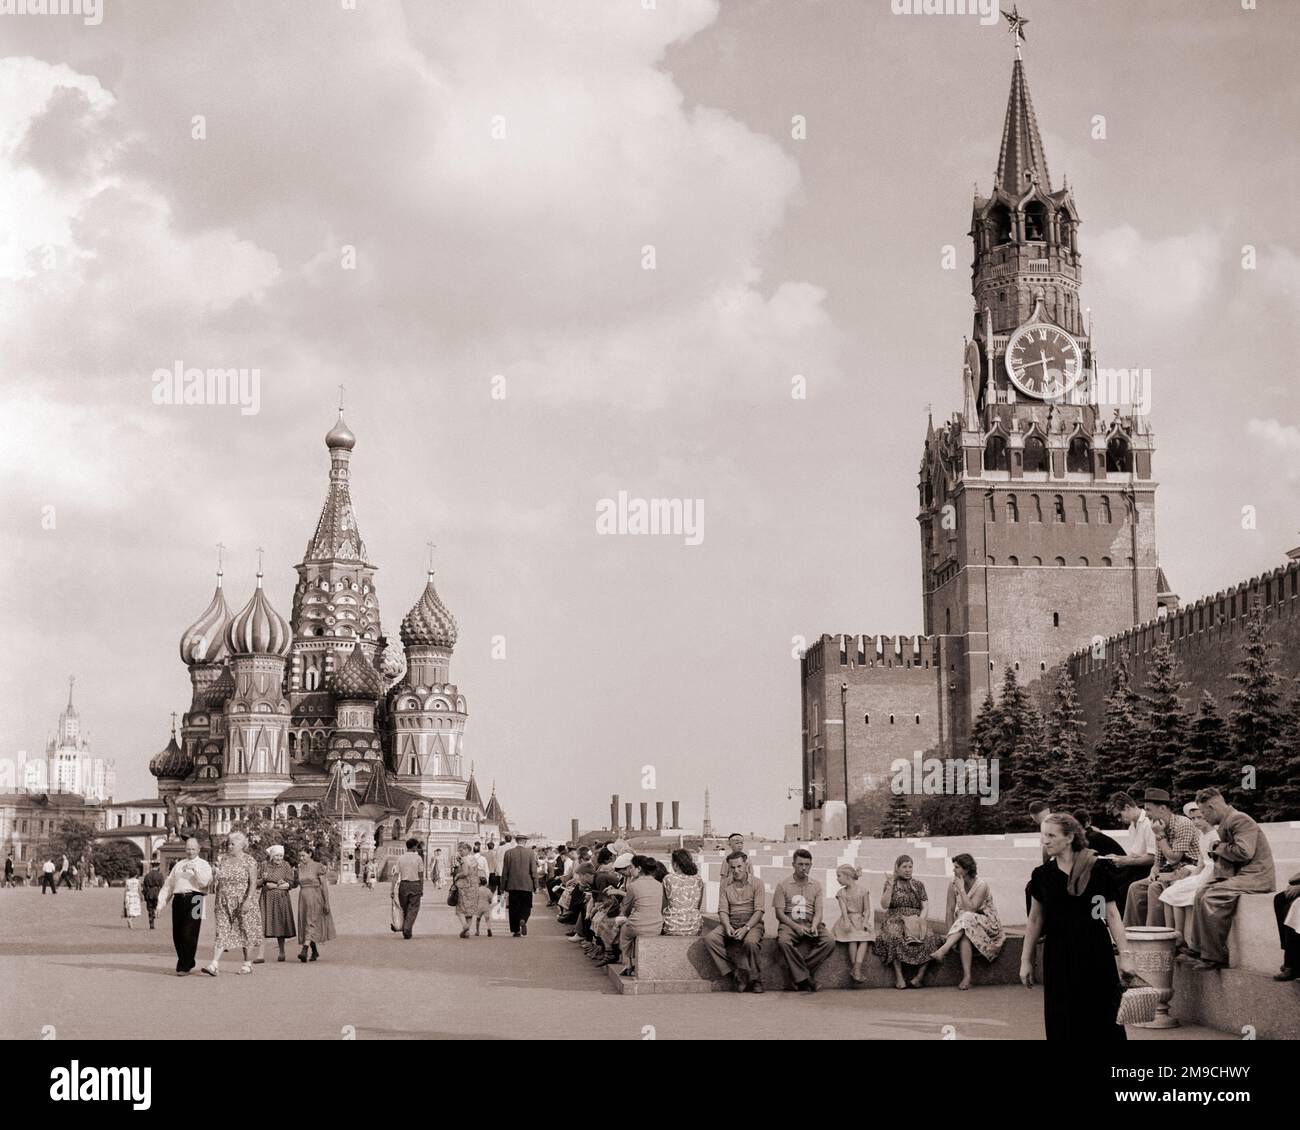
(337, 537)
(1022, 159)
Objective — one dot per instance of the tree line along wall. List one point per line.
(1206, 638)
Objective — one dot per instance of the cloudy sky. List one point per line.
(500, 169)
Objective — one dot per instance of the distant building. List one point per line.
(68, 765)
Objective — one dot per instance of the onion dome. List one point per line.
(204, 641)
(358, 679)
(391, 661)
(173, 763)
(214, 698)
(340, 435)
(258, 629)
(429, 622)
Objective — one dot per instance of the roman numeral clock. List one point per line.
(1043, 361)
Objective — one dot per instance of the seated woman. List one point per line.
(905, 938)
(854, 926)
(641, 912)
(972, 918)
(683, 896)
(1181, 893)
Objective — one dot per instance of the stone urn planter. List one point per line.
(1153, 960)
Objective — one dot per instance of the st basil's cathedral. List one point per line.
(323, 710)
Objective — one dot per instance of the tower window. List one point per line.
(866, 719)
(1035, 454)
(1060, 561)
(1035, 221)
(1119, 456)
(1059, 504)
(1105, 510)
(1079, 457)
(1106, 562)
(1000, 218)
(918, 719)
(1037, 515)
(1083, 561)
(1013, 509)
(995, 454)
(891, 719)
(1056, 619)
(1013, 560)
(1083, 510)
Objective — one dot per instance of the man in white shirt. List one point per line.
(47, 877)
(494, 867)
(184, 887)
(1141, 855)
(480, 861)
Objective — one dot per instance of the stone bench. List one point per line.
(684, 965)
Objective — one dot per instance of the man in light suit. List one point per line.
(519, 880)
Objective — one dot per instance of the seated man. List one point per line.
(1101, 843)
(1243, 863)
(734, 943)
(804, 940)
(1141, 856)
(1178, 854)
(1286, 905)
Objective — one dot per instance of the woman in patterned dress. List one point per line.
(315, 922)
(683, 896)
(239, 923)
(905, 898)
(972, 918)
(473, 899)
(277, 908)
(131, 901)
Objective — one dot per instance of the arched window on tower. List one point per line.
(1037, 515)
(1035, 221)
(1119, 456)
(993, 513)
(1079, 457)
(1105, 510)
(311, 680)
(1083, 509)
(995, 454)
(1000, 219)
(397, 829)
(1013, 509)
(1058, 504)
(1035, 454)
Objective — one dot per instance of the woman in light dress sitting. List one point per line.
(854, 926)
(683, 896)
(1181, 893)
(972, 918)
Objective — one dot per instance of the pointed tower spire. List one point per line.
(1022, 159)
(71, 679)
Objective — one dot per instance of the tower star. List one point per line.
(1016, 25)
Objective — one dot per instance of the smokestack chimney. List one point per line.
(613, 814)
(644, 808)
(659, 816)
(573, 831)
(627, 809)
(677, 814)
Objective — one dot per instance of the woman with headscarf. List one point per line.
(473, 899)
(277, 908)
(238, 920)
(1181, 893)
(905, 938)
(1081, 986)
(315, 922)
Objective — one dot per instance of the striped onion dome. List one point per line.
(429, 622)
(258, 629)
(358, 679)
(214, 698)
(172, 763)
(204, 641)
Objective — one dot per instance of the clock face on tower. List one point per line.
(1043, 361)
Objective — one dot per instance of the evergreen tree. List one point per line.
(898, 817)
(1283, 801)
(1206, 764)
(1166, 724)
(1006, 731)
(1070, 773)
(1117, 752)
(984, 730)
(1032, 771)
(1255, 723)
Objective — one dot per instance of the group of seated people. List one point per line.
(611, 897)
(1186, 870)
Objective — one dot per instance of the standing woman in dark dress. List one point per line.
(315, 923)
(277, 908)
(1081, 983)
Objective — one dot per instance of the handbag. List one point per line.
(913, 928)
(1138, 1004)
(453, 898)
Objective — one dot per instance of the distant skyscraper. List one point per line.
(707, 830)
(69, 766)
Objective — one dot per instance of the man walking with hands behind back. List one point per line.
(519, 880)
